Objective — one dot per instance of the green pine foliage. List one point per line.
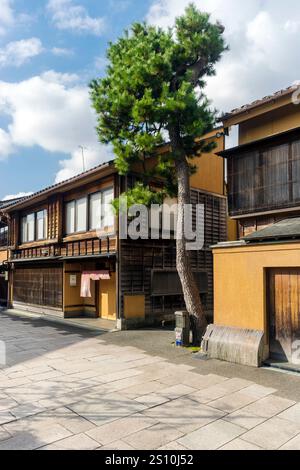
(154, 82)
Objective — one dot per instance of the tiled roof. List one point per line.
(11, 204)
(285, 229)
(255, 104)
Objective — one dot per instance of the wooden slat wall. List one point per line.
(266, 178)
(284, 310)
(139, 258)
(39, 286)
(253, 224)
(69, 249)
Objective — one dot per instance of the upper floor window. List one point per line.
(90, 213)
(76, 216)
(4, 236)
(34, 226)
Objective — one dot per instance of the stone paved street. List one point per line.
(68, 389)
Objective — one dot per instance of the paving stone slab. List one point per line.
(77, 442)
(120, 428)
(244, 419)
(259, 391)
(173, 446)
(176, 391)
(4, 435)
(291, 414)
(272, 434)
(117, 445)
(32, 437)
(239, 444)
(293, 444)
(151, 400)
(7, 403)
(68, 419)
(141, 389)
(109, 408)
(6, 417)
(212, 436)
(153, 438)
(184, 414)
(28, 409)
(233, 401)
(269, 406)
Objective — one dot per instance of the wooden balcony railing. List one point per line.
(73, 249)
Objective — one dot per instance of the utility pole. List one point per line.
(82, 153)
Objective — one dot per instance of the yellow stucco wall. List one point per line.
(134, 306)
(107, 298)
(73, 302)
(239, 282)
(273, 122)
(210, 168)
(262, 108)
(3, 256)
(232, 230)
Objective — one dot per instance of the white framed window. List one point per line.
(41, 225)
(97, 206)
(95, 211)
(34, 226)
(24, 230)
(81, 215)
(30, 227)
(76, 216)
(70, 217)
(107, 216)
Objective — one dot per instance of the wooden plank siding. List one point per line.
(250, 225)
(40, 287)
(139, 260)
(57, 243)
(78, 248)
(284, 311)
(265, 177)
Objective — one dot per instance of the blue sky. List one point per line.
(67, 50)
(51, 49)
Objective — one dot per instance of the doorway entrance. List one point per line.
(107, 307)
(283, 286)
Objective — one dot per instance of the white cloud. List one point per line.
(17, 53)
(93, 156)
(15, 196)
(51, 111)
(264, 42)
(101, 63)
(6, 16)
(69, 16)
(62, 52)
(6, 144)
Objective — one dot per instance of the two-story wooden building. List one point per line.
(257, 278)
(62, 263)
(3, 256)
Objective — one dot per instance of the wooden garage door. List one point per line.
(284, 311)
(39, 286)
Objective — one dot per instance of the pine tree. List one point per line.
(153, 93)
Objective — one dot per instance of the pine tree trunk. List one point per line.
(183, 262)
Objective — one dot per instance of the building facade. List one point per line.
(257, 277)
(3, 256)
(62, 263)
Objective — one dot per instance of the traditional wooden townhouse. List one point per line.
(257, 278)
(59, 264)
(3, 256)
